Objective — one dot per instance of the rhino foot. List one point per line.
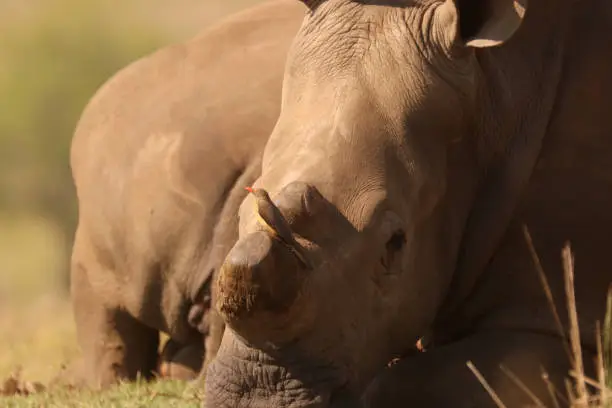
(180, 362)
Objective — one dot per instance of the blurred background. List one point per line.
(54, 54)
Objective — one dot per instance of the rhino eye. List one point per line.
(392, 247)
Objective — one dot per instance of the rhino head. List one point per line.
(375, 163)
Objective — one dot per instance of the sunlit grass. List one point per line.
(607, 343)
(136, 395)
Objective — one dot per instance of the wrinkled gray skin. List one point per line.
(415, 139)
(160, 160)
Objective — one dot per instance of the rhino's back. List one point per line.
(163, 141)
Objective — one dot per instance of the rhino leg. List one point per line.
(441, 377)
(207, 321)
(115, 346)
(180, 362)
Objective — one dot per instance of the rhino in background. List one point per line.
(415, 139)
(160, 159)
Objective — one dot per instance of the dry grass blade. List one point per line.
(568, 267)
(593, 383)
(547, 291)
(521, 385)
(607, 339)
(486, 385)
(601, 370)
(552, 391)
(170, 396)
(569, 389)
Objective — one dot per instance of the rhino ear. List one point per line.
(484, 23)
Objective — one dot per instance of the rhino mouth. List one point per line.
(250, 378)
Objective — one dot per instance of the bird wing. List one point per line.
(275, 219)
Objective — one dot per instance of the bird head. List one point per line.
(258, 192)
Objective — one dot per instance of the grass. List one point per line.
(134, 395)
(581, 391)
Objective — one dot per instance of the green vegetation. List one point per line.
(136, 395)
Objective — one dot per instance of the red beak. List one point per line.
(249, 189)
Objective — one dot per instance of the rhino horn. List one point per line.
(258, 285)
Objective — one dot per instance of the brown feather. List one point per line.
(275, 223)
